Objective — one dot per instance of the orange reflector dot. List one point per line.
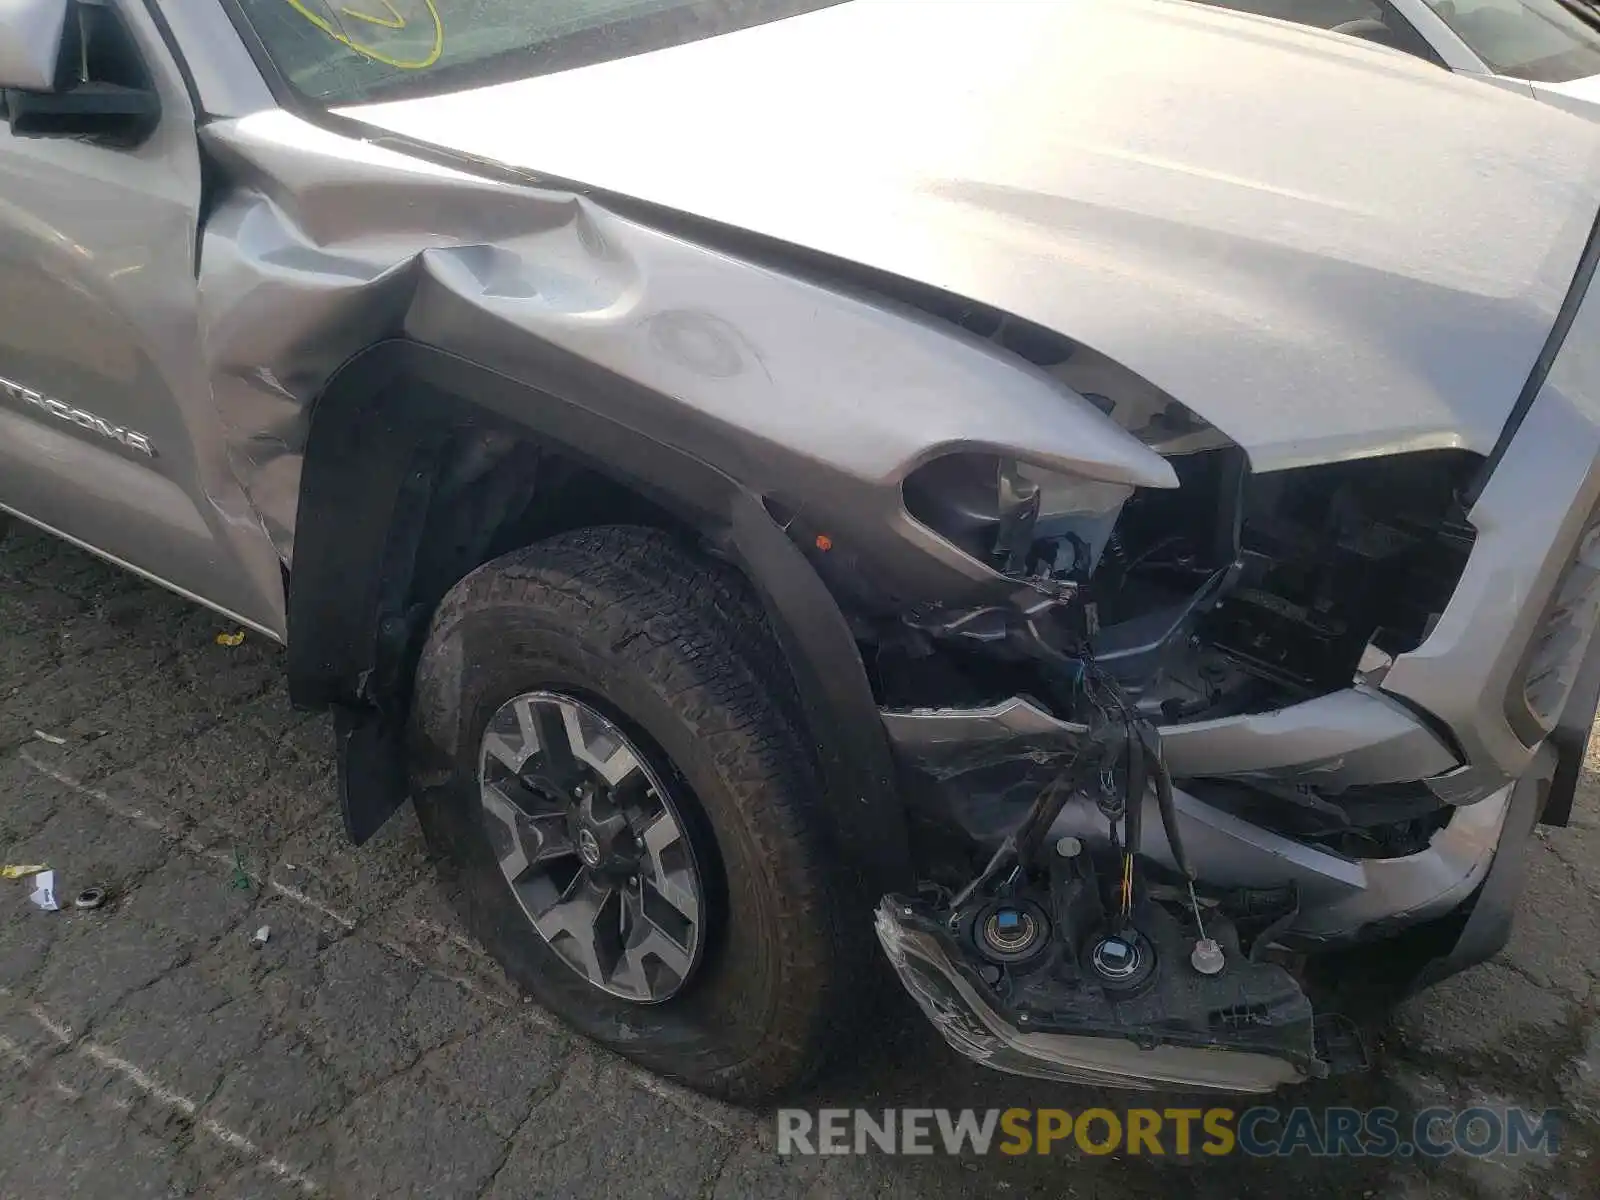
(824, 542)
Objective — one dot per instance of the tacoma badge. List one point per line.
(77, 416)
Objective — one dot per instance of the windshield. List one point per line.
(1547, 41)
(337, 52)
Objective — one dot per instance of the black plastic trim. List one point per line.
(1490, 911)
(1570, 738)
(349, 574)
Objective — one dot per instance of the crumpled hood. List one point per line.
(1326, 249)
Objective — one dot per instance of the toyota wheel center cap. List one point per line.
(589, 848)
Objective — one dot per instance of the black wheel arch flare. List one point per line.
(366, 576)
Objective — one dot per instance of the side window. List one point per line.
(1369, 20)
(1548, 41)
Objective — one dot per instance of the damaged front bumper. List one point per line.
(1387, 809)
(1247, 1029)
(975, 767)
(1215, 1004)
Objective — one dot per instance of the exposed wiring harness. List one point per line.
(1118, 736)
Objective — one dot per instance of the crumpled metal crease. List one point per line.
(299, 274)
(322, 245)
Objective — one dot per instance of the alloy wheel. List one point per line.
(592, 845)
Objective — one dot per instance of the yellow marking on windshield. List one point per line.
(396, 21)
(414, 63)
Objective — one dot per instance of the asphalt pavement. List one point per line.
(153, 1048)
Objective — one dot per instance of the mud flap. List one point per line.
(372, 772)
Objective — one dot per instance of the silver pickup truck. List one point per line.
(1092, 503)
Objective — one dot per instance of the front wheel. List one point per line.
(603, 757)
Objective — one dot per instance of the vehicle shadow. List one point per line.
(899, 1062)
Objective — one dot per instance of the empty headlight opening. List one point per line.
(1233, 592)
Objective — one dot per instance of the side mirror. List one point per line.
(71, 69)
(32, 36)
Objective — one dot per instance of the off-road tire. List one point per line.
(673, 645)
